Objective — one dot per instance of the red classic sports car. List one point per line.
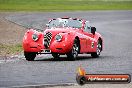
(63, 36)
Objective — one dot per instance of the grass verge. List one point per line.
(64, 5)
(10, 49)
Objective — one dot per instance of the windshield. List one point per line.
(65, 23)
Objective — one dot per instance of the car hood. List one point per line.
(55, 31)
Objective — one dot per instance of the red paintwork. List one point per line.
(68, 36)
(29, 45)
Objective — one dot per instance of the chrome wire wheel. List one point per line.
(72, 55)
(98, 50)
(99, 47)
(75, 50)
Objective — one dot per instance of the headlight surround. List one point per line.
(58, 37)
(35, 37)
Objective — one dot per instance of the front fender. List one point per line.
(64, 46)
(29, 45)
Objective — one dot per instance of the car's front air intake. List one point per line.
(47, 39)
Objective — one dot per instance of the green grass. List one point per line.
(64, 5)
(10, 49)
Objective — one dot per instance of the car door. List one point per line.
(89, 39)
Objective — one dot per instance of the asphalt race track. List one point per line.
(116, 29)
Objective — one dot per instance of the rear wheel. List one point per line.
(72, 55)
(30, 56)
(98, 50)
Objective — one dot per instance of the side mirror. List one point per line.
(47, 25)
(93, 30)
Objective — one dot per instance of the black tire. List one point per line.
(30, 56)
(81, 80)
(55, 55)
(72, 55)
(99, 49)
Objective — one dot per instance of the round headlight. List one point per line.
(58, 37)
(35, 37)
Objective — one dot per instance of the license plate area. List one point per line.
(46, 51)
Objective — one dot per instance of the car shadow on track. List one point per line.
(79, 58)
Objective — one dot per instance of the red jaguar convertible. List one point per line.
(63, 36)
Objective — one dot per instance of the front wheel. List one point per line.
(55, 55)
(72, 55)
(98, 50)
(30, 56)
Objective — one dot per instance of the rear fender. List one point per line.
(97, 36)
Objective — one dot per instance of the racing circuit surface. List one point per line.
(116, 29)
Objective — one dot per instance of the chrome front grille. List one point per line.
(47, 39)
